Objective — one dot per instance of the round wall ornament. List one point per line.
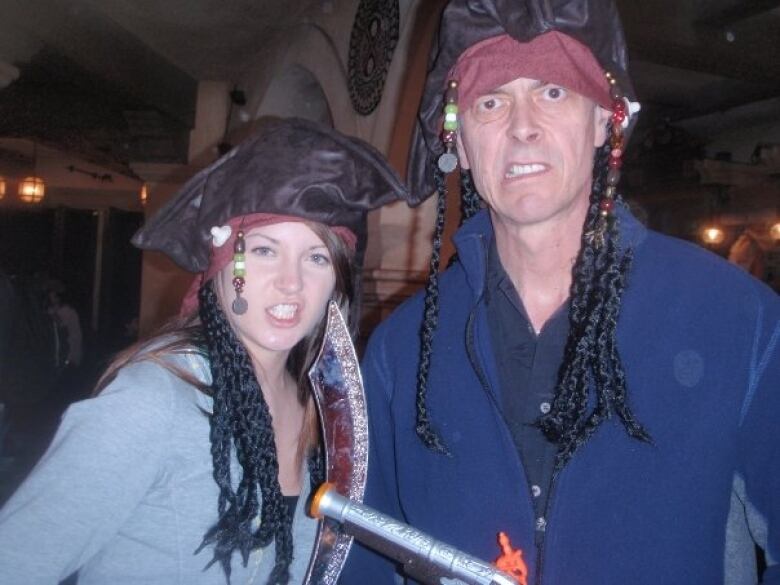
(371, 45)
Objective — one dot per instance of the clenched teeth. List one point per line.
(520, 170)
(283, 311)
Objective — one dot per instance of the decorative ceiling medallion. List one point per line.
(371, 45)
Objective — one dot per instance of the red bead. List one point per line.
(606, 205)
(615, 162)
(238, 283)
(618, 117)
(619, 106)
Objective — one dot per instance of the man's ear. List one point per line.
(463, 159)
(600, 119)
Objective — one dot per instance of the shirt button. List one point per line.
(541, 524)
(536, 491)
(544, 407)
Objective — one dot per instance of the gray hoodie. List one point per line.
(125, 493)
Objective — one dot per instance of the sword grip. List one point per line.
(426, 558)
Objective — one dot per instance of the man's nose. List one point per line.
(523, 123)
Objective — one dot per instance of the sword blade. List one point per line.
(338, 393)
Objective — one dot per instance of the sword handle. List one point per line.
(426, 558)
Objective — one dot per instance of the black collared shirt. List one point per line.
(528, 371)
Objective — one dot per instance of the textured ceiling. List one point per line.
(208, 39)
(115, 79)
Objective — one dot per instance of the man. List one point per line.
(606, 395)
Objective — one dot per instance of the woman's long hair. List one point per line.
(240, 422)
(241, 427)
(591, 357)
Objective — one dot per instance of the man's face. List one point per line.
(530, 148)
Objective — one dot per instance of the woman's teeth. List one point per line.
(283, 311)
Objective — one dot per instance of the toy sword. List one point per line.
(423, 557)
(338, 394)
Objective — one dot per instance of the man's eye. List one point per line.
(489, 108)
(554, 93)
(488, 104)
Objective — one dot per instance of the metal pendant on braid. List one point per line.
(241, 428)
(448, 161)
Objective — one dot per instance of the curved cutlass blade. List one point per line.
(338, 393)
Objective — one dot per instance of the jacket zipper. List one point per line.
(543, 540)
(486, 387)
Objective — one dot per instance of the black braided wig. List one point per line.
(591, 357)
(241, 423)
(427, 435)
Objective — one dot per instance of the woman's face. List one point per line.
(289, 280)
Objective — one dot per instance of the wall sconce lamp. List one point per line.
(712, 235)
(774, 233)
(32, 189)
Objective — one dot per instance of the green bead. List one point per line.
(448, 125)
(239, 257)
(239, 272)
(451, 109)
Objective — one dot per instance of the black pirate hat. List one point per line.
(464, 23)
(290, 167)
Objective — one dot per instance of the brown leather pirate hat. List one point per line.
(291, 167)
(464, 23)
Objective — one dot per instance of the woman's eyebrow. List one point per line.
(269, 238)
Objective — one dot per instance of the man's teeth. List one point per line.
(283, 311)
(519, 170)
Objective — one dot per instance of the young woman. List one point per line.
(193, 462)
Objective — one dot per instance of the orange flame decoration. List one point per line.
(511, 560)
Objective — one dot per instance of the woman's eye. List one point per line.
(320, 259)
(262, 251)
(554, 93)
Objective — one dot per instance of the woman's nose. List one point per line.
(289, 278)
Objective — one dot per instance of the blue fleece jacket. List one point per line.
(699, 343)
